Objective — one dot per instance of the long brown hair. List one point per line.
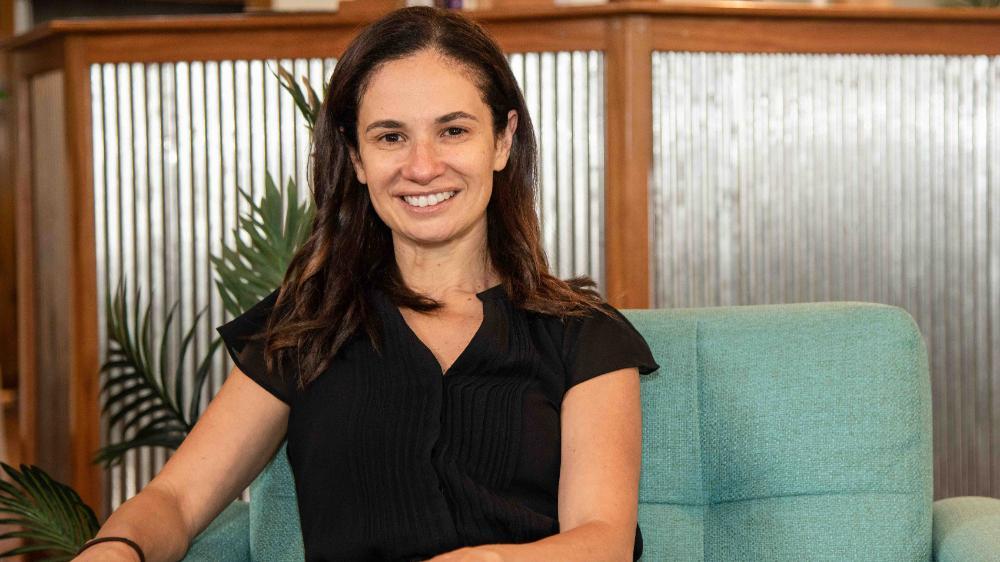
(322, 299)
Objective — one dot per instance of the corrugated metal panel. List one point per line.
(173, 141)
(564, 92)
(797, 178)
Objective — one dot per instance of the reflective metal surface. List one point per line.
(797, 178)
(564, 92)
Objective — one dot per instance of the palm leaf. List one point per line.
(179, 368)
(275, 227)
(307, 101)
(51, 515)
(112, 455)
(199, 379)
(144, 399)
(135, 416)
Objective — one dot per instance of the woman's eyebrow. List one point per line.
(393, 124)
(384, 124)
(453, 116)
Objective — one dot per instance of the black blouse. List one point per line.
(394, 461)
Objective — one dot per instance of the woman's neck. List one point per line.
(458, 268)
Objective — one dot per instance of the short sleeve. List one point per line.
(249, 354)
(598, 344)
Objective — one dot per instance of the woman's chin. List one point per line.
(439, 233)
(433, 239)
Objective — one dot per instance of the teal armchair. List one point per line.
(773, 432)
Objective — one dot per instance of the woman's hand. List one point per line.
(469, 554)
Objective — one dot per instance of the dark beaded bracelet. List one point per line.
(130, 542)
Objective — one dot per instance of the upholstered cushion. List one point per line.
(967, 529)
(786, 432)
(275, 534)
(225, 539)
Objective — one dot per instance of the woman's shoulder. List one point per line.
(587, 321)
(243, 339)
(589, 307)
(601, 340)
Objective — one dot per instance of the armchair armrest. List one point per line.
(226, 539)
(967, 529)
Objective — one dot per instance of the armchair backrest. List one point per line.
(771, 432)
(786, 432)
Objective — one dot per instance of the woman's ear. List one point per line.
(505, 142)
(359, 168)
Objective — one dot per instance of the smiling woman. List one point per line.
(429, 167)
(443, 396)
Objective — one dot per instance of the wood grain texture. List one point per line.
(760, 34)
(209, 44)
(51, 240)
(84, 316)
(629, 157)
(310, 23)
(169, 46)
(8, 273)
(42, 57)
(540, 36)
(25, 266)
(6, 19)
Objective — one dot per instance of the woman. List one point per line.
(443, 396)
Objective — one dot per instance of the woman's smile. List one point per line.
(428, 203)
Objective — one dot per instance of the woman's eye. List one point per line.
(455, 131)
(391, 138)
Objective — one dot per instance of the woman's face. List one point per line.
(426, 150)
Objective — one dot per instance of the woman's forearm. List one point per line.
(152, 519)
(595, 541)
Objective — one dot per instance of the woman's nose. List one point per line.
(423, 163)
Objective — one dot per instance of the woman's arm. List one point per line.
(229, 445)
(598, 478)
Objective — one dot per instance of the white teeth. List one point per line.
(427, 200)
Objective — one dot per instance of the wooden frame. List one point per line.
(627, 31)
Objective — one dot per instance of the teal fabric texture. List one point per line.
(226, 539)
(275, 534)
(770, 432)
(967, 529)
(786, 432)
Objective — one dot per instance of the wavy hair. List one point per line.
(322, 301)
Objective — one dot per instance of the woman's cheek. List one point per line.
(379, 202)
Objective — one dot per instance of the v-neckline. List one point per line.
(469, 347)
